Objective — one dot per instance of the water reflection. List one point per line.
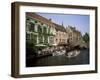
(75, 57)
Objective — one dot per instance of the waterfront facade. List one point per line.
(73, 34)
(47, 42)
(39, 30)
(61, 36)
(43, 31)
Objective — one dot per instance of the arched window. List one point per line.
(39, 29)
(32, 27)
(45, 30)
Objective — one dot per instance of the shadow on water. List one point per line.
(82, 58)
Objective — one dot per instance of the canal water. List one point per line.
(82, 58)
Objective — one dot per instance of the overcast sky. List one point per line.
(81, 22)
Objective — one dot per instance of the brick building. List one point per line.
(44, 31)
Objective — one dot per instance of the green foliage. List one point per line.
(86, 37)
(30, 49)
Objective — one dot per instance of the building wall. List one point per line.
(73, 34)
(39, 33)
(60, 37)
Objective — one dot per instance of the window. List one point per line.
(32, 27)
(56, 40)
(44, 30)
(34, 38)
(41, 23)
(45, 39)
(60, 40)
(40, 39)
(71, 39)
(28, 19)
(35, 21)
(51, 40)
(39, 29)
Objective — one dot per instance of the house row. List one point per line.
(41, 30)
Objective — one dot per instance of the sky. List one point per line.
(81, 22)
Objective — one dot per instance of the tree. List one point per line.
(86, 37)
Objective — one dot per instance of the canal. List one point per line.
(82, 58)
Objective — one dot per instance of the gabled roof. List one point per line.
(40, 18)
(59, 27)
(74, 29)
(46, 21)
